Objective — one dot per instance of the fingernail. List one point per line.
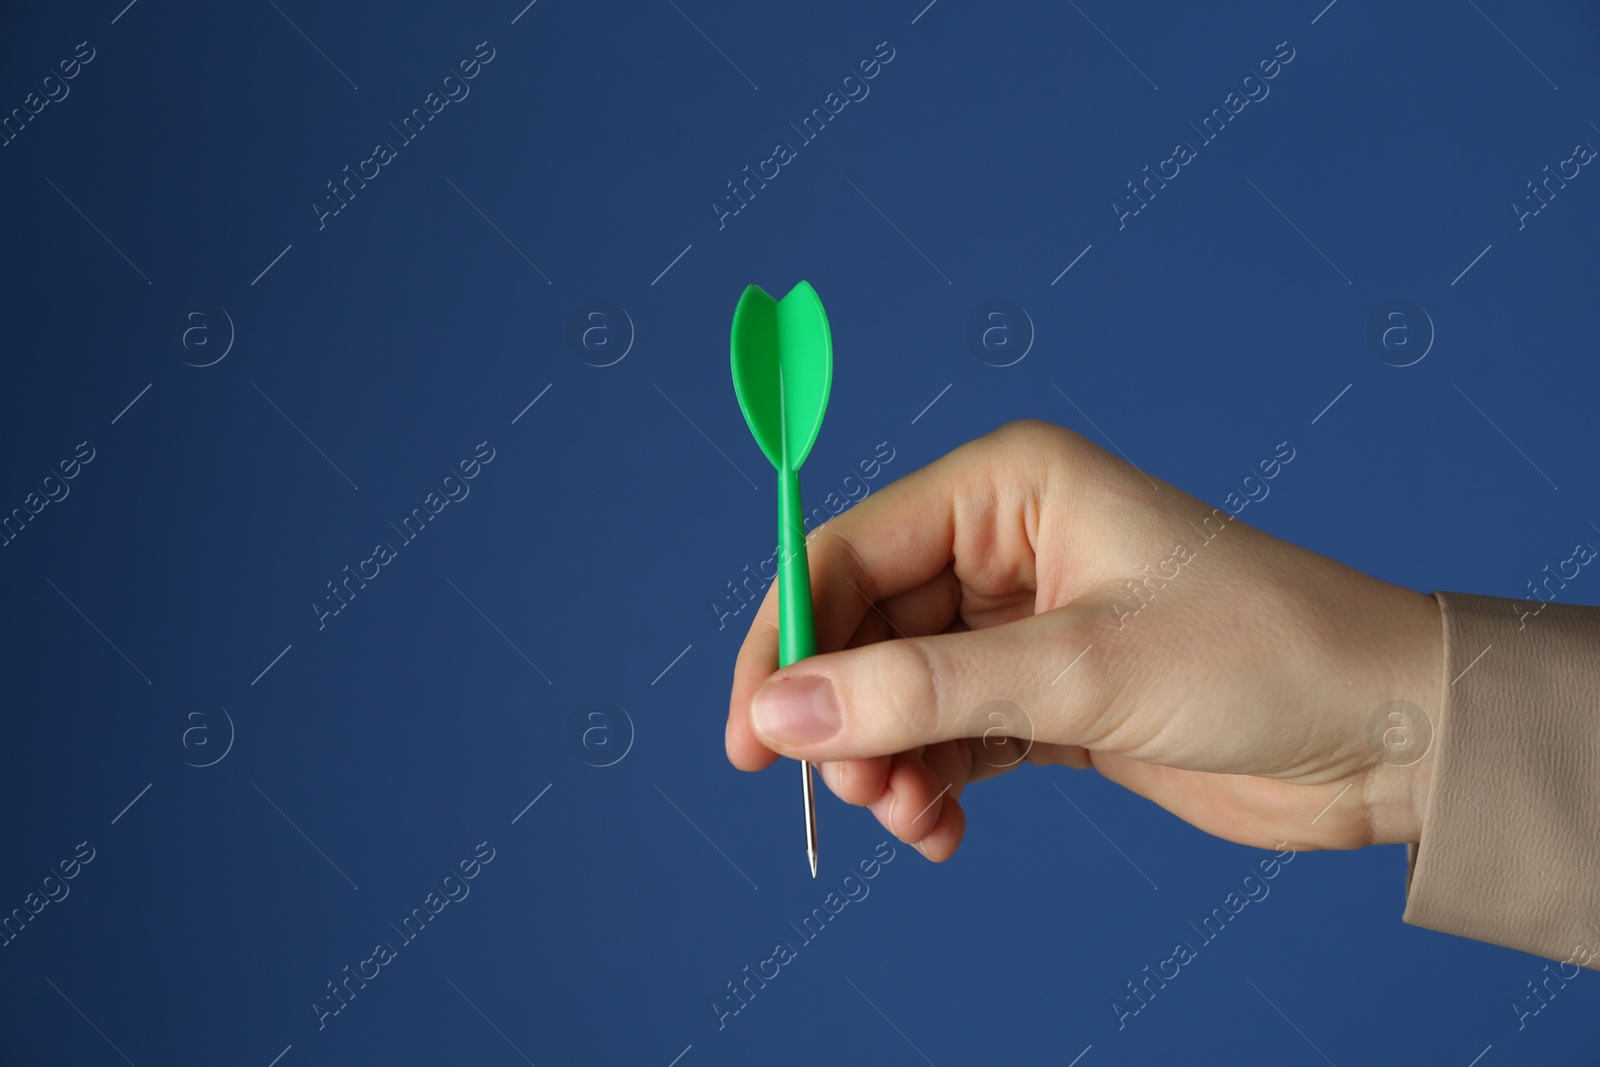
(796, 710)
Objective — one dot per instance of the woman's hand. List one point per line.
(1031, 584)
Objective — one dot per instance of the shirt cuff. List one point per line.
(1510, 840)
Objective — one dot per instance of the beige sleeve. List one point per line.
(1510, 841)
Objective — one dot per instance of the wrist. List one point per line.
(1403, 730)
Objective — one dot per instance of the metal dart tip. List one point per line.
(811, 814)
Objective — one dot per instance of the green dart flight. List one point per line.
(782, 356)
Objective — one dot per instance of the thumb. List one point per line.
(892, 696)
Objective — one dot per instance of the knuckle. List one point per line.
(1093, 685)
(1032, 452)
(843, 553)
(841, 585)
(1033, 435)
(763, 632)
(896, 688)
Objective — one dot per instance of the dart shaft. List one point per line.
(797, 637)
(796, 631)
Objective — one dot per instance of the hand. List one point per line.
(1207, 666)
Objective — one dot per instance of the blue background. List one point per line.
(376, 352)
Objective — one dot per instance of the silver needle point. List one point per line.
(811, 815)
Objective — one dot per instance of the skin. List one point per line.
(1237, 697)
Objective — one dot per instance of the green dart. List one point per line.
(782, 370)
